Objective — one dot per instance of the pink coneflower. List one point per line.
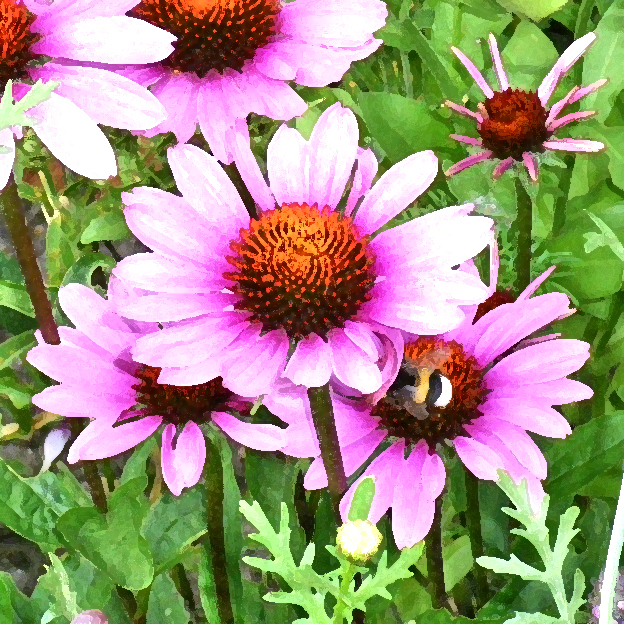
(233, 57)
(514, 124)
(482, 379)
(100, 380)
(75, 33)
(303, 290)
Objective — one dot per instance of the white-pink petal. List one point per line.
(311, 364)
(182, 466)
(259, 437)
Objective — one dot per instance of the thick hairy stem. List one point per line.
(435, 562)
(473, 522)
(11, 205)
(323, 417)
(524, 225)
(344, 590)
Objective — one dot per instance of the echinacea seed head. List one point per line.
(212, 34)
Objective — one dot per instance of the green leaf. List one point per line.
(82, 270)
(63, 601)
(458, 561)
(110, 226)
(402, 125)
(533, 9)
(362, 499)
(113, 542)
(528, 56)
(165, 603)
(513, 566)
(135, 466)
(15, 607)
(14, 296)
(24, 511)
(173, 524)
(593, 448)
(605, 59)
(14, 390)
(60, 250)
(532, 618)
(606, 238)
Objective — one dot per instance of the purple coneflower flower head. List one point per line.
(78, 36)
(480, 387)
(234, 57)
(513, 124)
(100, 380)
(301, 291)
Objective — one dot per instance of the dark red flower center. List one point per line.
(212, 34)
(496, 299)
(436, 392)
(514, 122)
(177, 404)
(16, 41)
(302, 269)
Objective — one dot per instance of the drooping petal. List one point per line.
(396, 190)
(114, 40)
(353, 419)
(502, 167)
(482, 461)
(474, 72)
(182, 466)
(503, 83)
(120, 102)
(469, 161)
(259, 437)
(74, 138)
(531, 164)
(554, 392)
(310, 365)
(466, 139)
(288, 165)
(573, 145)
(75, 401)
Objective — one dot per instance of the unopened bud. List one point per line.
(358, 541)
(92, 616)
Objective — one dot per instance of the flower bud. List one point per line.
(358, 541)
(92, 616)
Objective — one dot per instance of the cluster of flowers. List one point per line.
(310, 291)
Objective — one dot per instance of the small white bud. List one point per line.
(358, 541)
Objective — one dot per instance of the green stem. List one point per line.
(96, 486)
(323, 418)
(473, 522)
(607, 591)
(11, 205)
(582, 18)
(347, 577)
(215, 538)
(524, 225)
(617, 307)
(435, 561)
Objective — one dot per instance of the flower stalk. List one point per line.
(323, 417)
(524, 225)
(11, 206)
(435, 561)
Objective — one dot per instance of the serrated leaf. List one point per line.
(513, 566)
(165, 603)
(532, 618)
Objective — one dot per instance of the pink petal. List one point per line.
(64, 9)
(557, 107)
(288, 402)
(503, 83)
(7, 158)
(151, 271)
(190, 342)
(310, 365)
(396, 189)
(120, 102)
(468, 162)
(474, 72)
(214, 118)
(178, 94)
(74, 138)
(76, 401)
(259, 437)
(502, 166)
(386, 469)
(192, 375)
(100, 440)
(466, 139)
(555, 392)
(367, 166)
(205, 185)
(530, 163)
(583, 91)
(392, 344)
(352, 418)
(531, 416)
(545, 361)
(353, 456)
(568, 119)
(351, 365)
(252, 365)
(182, 466)
(570, 55)
(301, 440)
(362, 335)
(478, 458)
(115, 40)
(175, 306)
(92, 616)
(333, 149)
(248, 167)
(288, 165)
(462, 110)
(518, 321)
(332, 23)
(168, 224)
